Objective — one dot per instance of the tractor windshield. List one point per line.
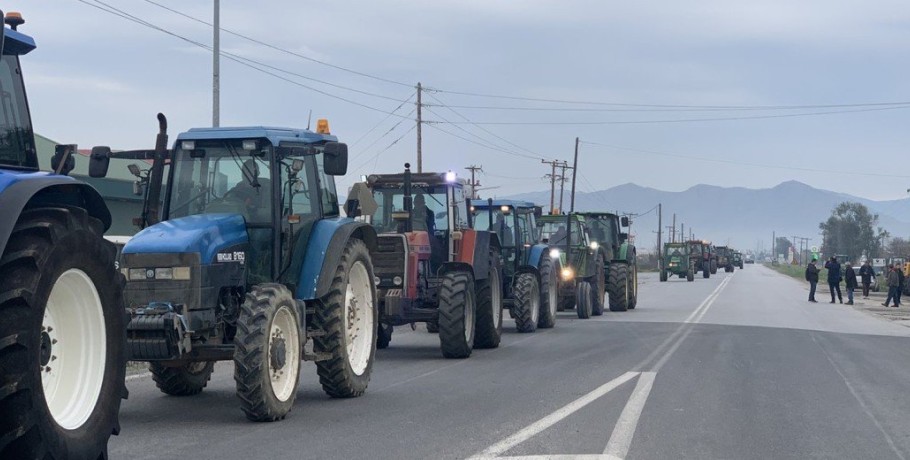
(16, 138)
(429, 209)
(219, 176)
(555, 232)
(602, 229)
(677, 250)
(503, 223)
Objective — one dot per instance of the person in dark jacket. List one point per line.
(812, 278)
(894, 285)
(850, 278)
(834, 277)
(866, 272)
(900, 285)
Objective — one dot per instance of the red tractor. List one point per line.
(430, 266)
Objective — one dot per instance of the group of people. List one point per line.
(895, 277)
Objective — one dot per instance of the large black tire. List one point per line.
(257, 357)
(432, 327)
(549, 292)
(690, 275)
(186, 380)
(527, 302)
(663, 276)
(384, 336)
(46, 243)
(705, 271)
(456, 314)
(345, 375)
(619, 286)
(583, 299)
(633, 286)
(598, 288)
(713, 266)
(489, 307)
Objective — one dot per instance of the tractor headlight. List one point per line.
(376, 280)
(594, 245)
(554, 253)
(397, 280)
(567, 274)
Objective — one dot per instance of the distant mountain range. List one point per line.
(741, 217)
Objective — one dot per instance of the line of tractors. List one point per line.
(686, 258)
(246, 255)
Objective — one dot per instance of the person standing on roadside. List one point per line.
(894, 283)
(900, 285)
(866, 272)
(834, 277)
(850, 278)
(812, 278)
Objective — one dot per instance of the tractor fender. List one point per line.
(456, 266)
(475, 251)
(324, 250)
(626, 253)
(21, 190)
(536, 253)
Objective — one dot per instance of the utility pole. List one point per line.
(674, 227)
(660, 242)
(682, 231)
(216, 66)
(419, 126)
(552, 177)
(562, 181)
(773, 247)
(574, 175)
(474, 184)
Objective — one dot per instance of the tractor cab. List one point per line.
(514, 222)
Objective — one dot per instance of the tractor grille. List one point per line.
(389, 260)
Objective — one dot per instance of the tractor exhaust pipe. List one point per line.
(151, 214)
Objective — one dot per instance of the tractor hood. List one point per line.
(203, 234)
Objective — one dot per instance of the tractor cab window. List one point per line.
(555, 232)
(676, 251)
(221, 177)
(503, 224)
(429, 205)
(328, 194)
(300, 204)
(527, 228)
(16, 147)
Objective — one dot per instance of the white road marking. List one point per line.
(621, 439)
(560, 457)
(529, 431)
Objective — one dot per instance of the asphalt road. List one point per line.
(736, 366)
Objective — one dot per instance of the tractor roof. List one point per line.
(482, 204)
(599, 214)
(17, 43)
(560, 218)
(276, 136)
(416, 178)
(675, 244)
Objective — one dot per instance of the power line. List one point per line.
(678, 120)
(481, 140)
(377, 154)
(672, 109)
(381, 121)
(233, 57)
(478, 143)
(283, 50)
(389, 131)
(743, 163)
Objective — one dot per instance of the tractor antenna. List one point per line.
(308, 118)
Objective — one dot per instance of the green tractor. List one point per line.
(583, 275)
(678, 261)
(738, 259)
(725, 258)
(619, 258)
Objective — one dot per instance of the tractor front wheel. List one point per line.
(527, 302)
(456, 314)
(598, 289)
(619, 287)
(549, 292)
(267, 353)
(583, 299)
(663, 276)
(62, 337)
(489, 307)
(384, 336)
(186, 380)
(349, 318)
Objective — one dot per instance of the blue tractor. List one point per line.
(62, 340)
(244, 257)
(530, 273)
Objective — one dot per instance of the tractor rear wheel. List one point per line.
(384, 336)
(690, 275)
(705, 271)
(619, 286)
(598, 289)
(549, 292)
(186, 380)
(456, 314)
(583, 299)
(527, 302)
(713, 267)
(489, 307)
(267, 353)
(663, 276)
(633, 287)
(62, 337)
(348, 316)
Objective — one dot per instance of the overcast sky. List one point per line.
(99, 79)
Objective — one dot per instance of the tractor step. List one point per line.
(317, 356)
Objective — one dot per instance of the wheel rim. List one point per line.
(73, 355)
(284, 353)
(358, 314)
(535, 302)
(496, 297)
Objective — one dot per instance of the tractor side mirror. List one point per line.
(538, 212)
(63, 162)
(99, 161)
(623, 237)
(336, 158)
(624, 221)
(352, 207)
